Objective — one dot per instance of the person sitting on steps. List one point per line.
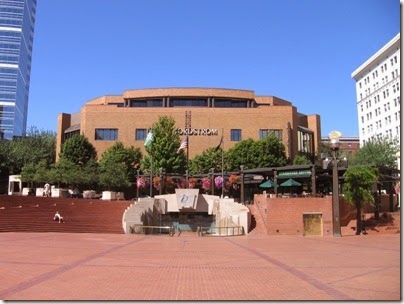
(58, 217)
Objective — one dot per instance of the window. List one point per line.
(228, 103)
(235, 135)
(146, 103)
(267, 132)
(140, 134)
(106, 134)
(189, 102)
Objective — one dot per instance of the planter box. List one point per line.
(58, 192)
(108, 195)
(25, 191)
(39, 191)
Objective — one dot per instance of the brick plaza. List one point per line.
(84, 266)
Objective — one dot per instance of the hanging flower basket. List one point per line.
(218, 182)
(206, 183)
(234, 179)
(156, 182)
(191, 183)
(142, 183)
(182, 183)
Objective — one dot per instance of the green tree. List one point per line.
(301, 160)
(113, 176)
(36, 174)
(77, 163)
(379, 152)
(78, 150)
(28, 173)
(357, 189)
(210, 158)
(162, 153)
(240, 154)
(267, 152)
(118, 166)
(37, 145)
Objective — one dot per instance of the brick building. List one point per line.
(239, 114)
(349, 144)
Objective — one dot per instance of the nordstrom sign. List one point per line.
(192, 131)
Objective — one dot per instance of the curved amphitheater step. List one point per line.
(35, 214)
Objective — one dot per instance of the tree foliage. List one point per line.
(210, 158)
(162, 153)
(35, 146)
(301, 160)
(357, 189)
(78, 150)
(118, 166)
(379, 152)
(267, 152)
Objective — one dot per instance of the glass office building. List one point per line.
(17, 19)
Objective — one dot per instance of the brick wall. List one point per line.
(285, 215)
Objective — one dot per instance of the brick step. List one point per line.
(30, 214)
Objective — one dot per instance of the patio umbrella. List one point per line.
(290, 183)
(269, 184)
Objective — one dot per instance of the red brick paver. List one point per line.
(64, 266)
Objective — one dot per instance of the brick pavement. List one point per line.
(64, 266)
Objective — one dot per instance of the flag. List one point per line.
(219, 145)
(183, 145)
(149, 139)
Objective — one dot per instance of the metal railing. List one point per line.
(220, 231)
(139, 229)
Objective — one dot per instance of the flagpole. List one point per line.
(222, 164)
(151, 172)
(187, 171)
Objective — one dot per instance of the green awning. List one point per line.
(294, 174)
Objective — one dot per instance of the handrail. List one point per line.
(207, 230)
(140, 229)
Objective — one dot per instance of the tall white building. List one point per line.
(378, 94)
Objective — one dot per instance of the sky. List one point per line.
(303, 51)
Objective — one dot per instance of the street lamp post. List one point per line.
(335, 195)
(161, 181)
(212, 181)
(242, 184)
(137, 186)
(335, 144)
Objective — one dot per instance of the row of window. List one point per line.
(368, 103)
(388, 133)
(140, 134)
(383, 69)
(385, 80)
(191, 102)
(378, 112)
(387, 122)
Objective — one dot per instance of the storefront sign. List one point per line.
(192, 131)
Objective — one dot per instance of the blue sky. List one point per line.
(303, 51)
